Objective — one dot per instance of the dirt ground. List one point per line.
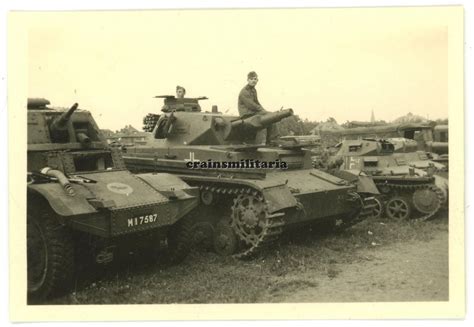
(376, 260)
(413, 271)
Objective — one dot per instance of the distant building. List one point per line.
(129, 129)
(107, 132)
(127, 136)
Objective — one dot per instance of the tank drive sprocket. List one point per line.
(253, 223)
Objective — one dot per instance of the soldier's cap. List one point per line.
(252, 75)
(180, 87)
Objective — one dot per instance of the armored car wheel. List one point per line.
(398, 208)
(179, 239)
(50, 255)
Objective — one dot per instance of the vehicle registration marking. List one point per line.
(142, 220)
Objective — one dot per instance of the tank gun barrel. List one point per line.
(60, 122)
(83, 138)
(275, 117)
(263, 121)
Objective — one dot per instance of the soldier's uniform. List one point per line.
(248, 102)
(249, 105)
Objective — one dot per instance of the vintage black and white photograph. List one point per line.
(246, 156)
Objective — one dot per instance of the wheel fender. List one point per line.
(279, 198)
(60, 202)
(167, 183)
(365, 184)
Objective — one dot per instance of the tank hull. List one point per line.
(307, 191)
(297, 195)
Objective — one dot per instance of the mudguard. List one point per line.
(168, 184)
(60, 202)
(364, 183)
(279, 197)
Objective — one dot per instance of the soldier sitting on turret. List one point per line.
(249, 105)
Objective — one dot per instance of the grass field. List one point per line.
(303, 260)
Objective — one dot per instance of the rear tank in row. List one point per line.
(411, 185)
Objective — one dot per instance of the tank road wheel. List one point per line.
(202, 235)
(427, 201)
(253, 224)
(378, 209)
(50, 255)
(225, 240)
(179, 239)
(207, 197)
(398, 208)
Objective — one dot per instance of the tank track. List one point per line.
(368, 205)
(271, 224)
(407, 188)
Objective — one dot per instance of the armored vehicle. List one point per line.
(249, 191)
(422, 159)
(426, 136)
(78, 188)
(406, 191)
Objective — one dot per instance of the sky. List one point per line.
(340, 63)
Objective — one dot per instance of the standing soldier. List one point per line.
(249, 105)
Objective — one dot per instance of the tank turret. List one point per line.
(60, 133)
(59, 124)
(180, 104)
(52, 129)
(57, 128)
(211, 128)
